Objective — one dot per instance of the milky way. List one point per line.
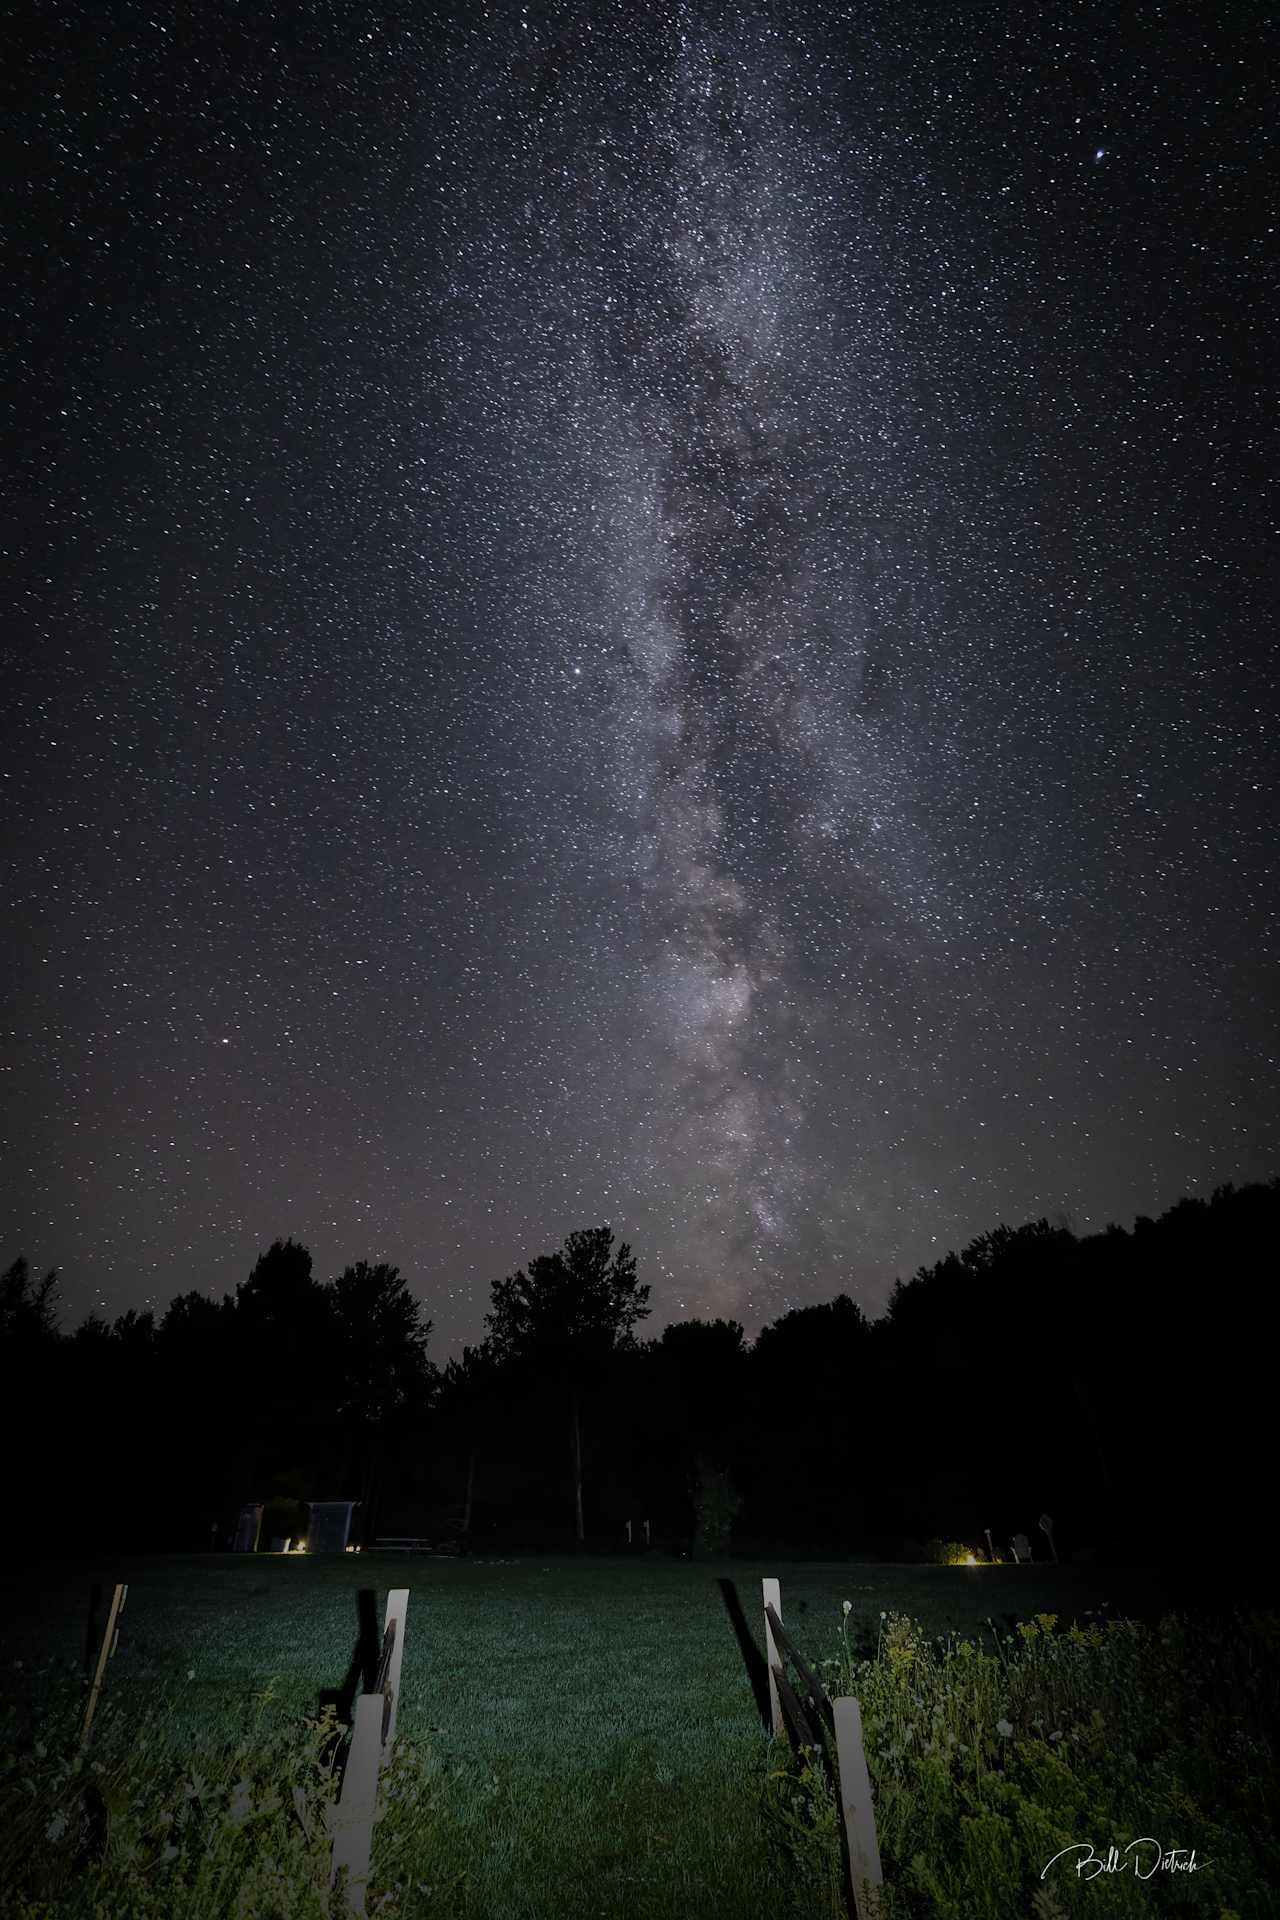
(644, 614)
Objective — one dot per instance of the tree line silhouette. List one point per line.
(1120, 1381)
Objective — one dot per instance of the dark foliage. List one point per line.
(1118, 1382)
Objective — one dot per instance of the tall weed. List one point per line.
(137, 1828)
(987, 1761)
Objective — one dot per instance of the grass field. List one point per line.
(592, 1726)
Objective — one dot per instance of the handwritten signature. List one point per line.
(1149, 1857)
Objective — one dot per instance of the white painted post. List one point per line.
(773, 1598)
(646, 1533)
(358, 1801)
(397, 1607)
(859, 1813)
(628, 1533)
(109, 1639)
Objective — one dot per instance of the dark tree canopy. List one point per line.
(26, 1310)
(382, 1341)
(1032, 1371)
(280, 1284)
(572, 1309)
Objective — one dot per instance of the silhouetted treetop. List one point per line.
(572, 1308)
(27, 1311)
(382, 1340)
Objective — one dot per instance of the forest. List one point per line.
(1116, 1382)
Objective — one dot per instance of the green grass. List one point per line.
(583, 1735)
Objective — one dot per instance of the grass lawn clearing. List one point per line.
(591, 1724)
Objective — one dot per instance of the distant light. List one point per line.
(301, 1547)
(1100, 153)
(971, 1560)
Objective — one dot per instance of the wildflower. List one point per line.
(1003, 1726)
(57, 1826)
(848, 1607)
(169, 1852)
(1055, 1736)
(191, 1673)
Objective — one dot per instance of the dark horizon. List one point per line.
(661, 1314)
(1029, 1374)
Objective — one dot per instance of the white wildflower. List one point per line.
(57, 1826)
(848, 1607)
(1003, 1726)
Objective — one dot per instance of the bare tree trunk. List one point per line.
(371, 1490)
(577, 1471)
(466, 1507)
(1085, 1403)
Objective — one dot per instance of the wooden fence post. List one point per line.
(773, 1598)
(357, 1805)
(109, 1639)
(859, 1814)
(397, 1608)
(372, 1731)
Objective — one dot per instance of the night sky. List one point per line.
(632, 613)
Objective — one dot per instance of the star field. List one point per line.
(650, 614)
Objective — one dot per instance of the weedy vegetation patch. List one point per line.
(585, 1738)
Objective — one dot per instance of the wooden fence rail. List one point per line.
(110, 1640)
(821, 1724)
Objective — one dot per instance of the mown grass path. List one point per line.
(593, 1724)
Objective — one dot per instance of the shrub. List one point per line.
(987, 1761)
(951, 1553)
(138, 1830)
(132, 1828)
(716, 1503)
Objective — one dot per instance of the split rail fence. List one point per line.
(832, 1731)
(373, 1730)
